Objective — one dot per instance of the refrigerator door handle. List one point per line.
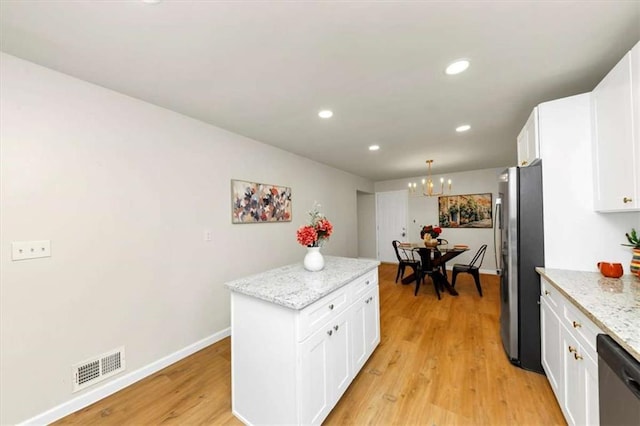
(497, 236)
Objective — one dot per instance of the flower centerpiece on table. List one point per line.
(430, 233)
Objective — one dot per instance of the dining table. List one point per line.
(437, 256)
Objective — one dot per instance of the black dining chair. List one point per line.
(426, 269)
(472, 268)
(404, 260)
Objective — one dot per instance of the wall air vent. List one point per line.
(98, 368)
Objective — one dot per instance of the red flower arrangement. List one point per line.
(317, 232)
(307, 235)
(434, 231)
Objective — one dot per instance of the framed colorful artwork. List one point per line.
(465, 211)
(253, 202)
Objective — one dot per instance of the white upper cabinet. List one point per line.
(615, 120)
(528, 140)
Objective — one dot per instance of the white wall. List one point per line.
(576, 237)
(367, 225)
(424, 211)
(125, 191)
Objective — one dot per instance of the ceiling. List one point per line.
(264, 69)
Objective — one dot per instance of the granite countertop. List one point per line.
(294, 287)
(613, 304)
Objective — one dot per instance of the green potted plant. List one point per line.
(634, 241)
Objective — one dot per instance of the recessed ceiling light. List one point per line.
(151, 1)
(457, 67)
(374, 147)
(463, 128)
(325, 113)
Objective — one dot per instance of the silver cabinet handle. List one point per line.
(335, 327)
(366, 282)
(330, 332)
(331, 306)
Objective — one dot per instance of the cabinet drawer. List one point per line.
(316, 314)
(553, 297)
(361, 285)
(581, 327)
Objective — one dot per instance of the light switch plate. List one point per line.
(22, 250)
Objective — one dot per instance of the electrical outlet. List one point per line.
(208, 235)
(22, 250)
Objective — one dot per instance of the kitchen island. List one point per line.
(299, 338)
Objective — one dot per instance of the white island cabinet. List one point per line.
(299, 338)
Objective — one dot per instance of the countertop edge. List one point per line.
(303, 304)
(542, 272)
(300, 306)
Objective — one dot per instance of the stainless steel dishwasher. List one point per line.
(618, 384)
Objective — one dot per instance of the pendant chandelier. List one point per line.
(427, 184)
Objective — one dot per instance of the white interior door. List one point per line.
(391, 221)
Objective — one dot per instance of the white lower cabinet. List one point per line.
(334, 355)
(581, 382)
(569, 357)
(292, 367)
(551, 345)
(590, 390)
(324, 369)
(366, 328)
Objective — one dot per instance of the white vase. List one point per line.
(313, 260)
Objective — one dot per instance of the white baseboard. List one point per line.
(122, 382)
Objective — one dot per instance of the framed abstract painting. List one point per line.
(253, 202)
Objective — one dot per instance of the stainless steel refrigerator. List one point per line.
(519, 249)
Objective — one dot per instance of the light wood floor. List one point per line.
(438, 363)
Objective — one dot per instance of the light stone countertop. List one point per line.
(294, 287)
(613, 304)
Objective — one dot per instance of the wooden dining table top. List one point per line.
(439, 262)
(441, 248)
